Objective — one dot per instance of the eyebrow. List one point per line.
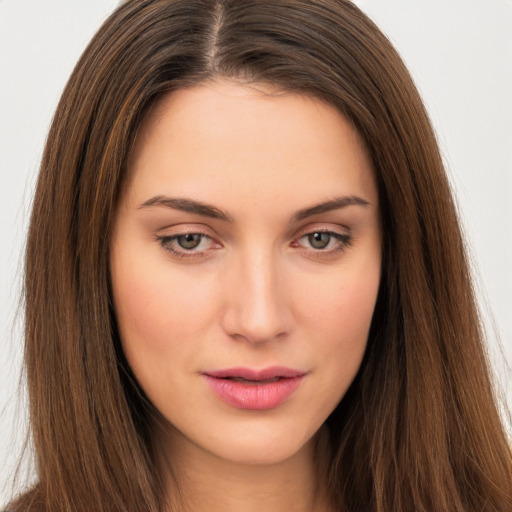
(327, 206)
(187, 205)
(199, 208)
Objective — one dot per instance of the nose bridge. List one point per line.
(258, 306)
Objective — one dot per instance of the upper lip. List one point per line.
(253, 374)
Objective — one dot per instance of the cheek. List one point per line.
(342, 306)
(339, 318)
(158, 312)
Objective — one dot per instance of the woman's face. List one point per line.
(245, 265)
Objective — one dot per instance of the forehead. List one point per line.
(223, 137)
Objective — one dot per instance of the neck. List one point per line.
(207, 482)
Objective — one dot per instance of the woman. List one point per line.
(245, 281)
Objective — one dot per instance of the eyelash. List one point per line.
(343, 241)
(166, 242)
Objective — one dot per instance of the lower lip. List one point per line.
(259, 397)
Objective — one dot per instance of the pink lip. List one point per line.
(259, 389)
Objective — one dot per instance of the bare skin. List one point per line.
(248, 236)
(297, 484)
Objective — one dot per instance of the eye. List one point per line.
(189, 241)
(186, 245)
(324, 241)
(319, 240)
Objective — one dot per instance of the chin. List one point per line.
(259, 443)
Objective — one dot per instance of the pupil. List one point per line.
(189, 241)
(319, 240)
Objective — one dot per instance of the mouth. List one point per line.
(246, 388)
(253, 382)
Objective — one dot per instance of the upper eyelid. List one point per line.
(336, 234)
(179, 230)
(178, 235)
(176, 230)
(341, 237)
(326, 227)
(323, 230)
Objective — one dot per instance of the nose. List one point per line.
(258, 302)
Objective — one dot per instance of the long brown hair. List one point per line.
(419, 427)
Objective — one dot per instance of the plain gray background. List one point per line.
(460, 54)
